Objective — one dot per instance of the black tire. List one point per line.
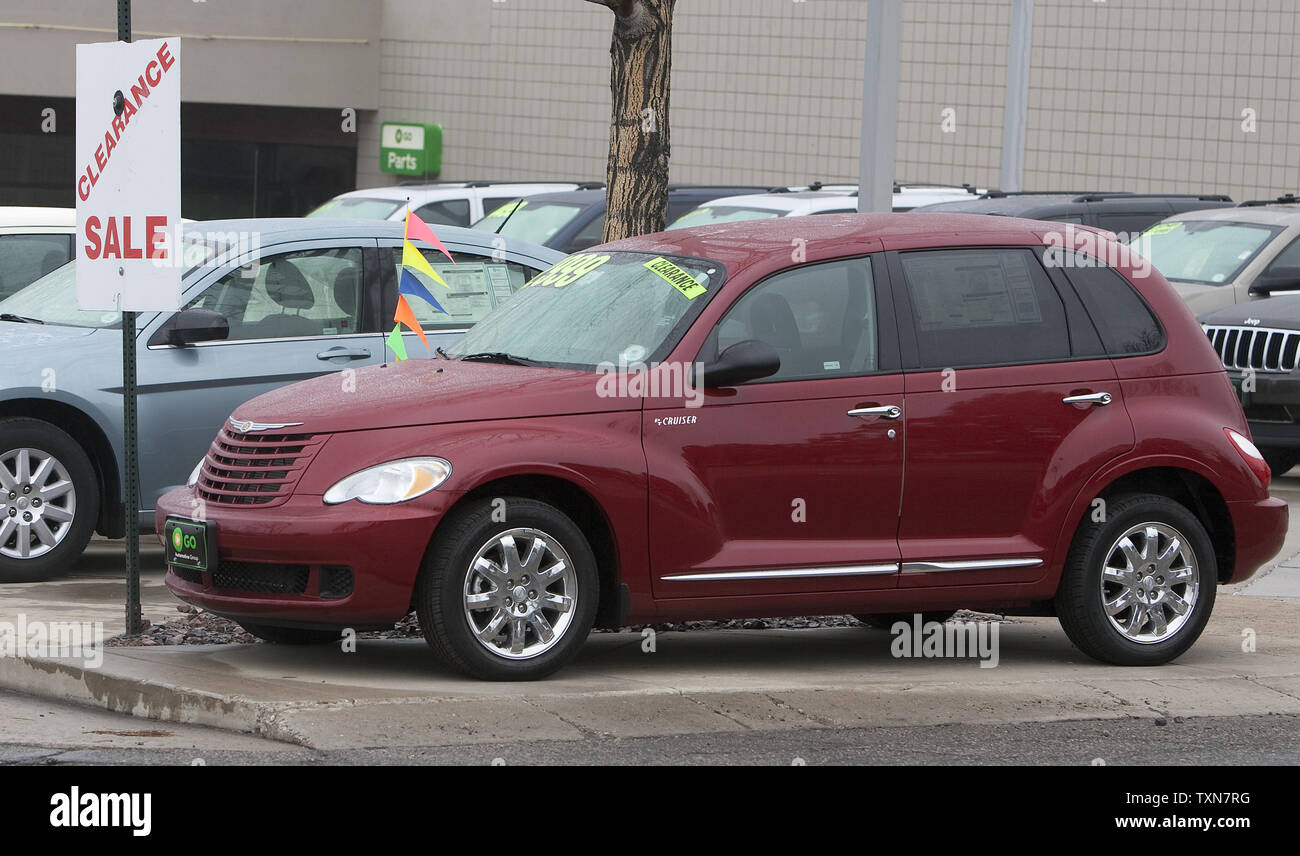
(1079, 599)
(291, 635)
(886, 620)
(1280, 461)
(441, 590)
(73, 535)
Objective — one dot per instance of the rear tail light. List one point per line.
(1250, 455)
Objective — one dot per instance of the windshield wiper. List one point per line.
(21, 319)
(499, 357)
(440, 352)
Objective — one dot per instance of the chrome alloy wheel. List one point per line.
(37, 503)
(1149, 583)
(520, 593)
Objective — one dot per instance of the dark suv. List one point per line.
(1122, 213)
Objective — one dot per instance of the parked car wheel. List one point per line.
(49, 500)
(1280, 461)
(291, 635)
(1138, 589)
(508, 599)
(886, 620)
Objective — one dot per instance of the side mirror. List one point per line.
(747, 360)
(192, 325)
(1277, 279)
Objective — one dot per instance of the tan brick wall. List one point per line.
(1125, 94)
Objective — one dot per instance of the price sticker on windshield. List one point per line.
(1162, 228)
(676, 277)
(567, 270)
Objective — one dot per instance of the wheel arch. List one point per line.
(89, 434)
(1184, 485)
(586, 512)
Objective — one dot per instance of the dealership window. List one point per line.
(984, 307)
(820, 319)
(295, 294)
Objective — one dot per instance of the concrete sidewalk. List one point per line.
(392, 693)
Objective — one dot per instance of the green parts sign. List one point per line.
(410, 149)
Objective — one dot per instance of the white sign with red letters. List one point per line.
(128, 175)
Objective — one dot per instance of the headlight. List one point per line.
(194, 476)
(395, 481)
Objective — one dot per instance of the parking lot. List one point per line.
(739, 696)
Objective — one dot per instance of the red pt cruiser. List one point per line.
(863, 414)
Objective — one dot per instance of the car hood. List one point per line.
(25, 349)
(1276, 312)
(1205, 298)
(430, 392)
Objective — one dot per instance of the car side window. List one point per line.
(26, 258)
(1124, 321)
(447, 212)
(1288, 258)
(475, 285)
(588, 236)
(820, 318)
(1130, 224)
(305, 293)
(984, 307)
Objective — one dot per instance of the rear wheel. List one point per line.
(1138, 589)
(49, 500)
(1280, 461)
(507, 599)
(291, 635)
(886, 620)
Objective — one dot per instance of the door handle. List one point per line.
(1101, 399)
(886, 411)
(347, 353)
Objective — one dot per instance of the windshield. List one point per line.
(1206, 252)
(53, 300)
(591, 308)
(530, 220)
(706, 214)
(358, 208)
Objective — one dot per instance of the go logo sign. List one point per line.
(181, 541)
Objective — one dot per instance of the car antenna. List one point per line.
(508, 216)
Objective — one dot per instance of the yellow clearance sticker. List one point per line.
(676, 277)
(1162, 228)
(505, 210)
(568, 269)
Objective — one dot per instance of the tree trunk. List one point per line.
(641, 65)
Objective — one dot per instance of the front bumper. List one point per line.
(306, 541)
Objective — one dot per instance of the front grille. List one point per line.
(254, 469)
(1260, 349)
(188, 574)
(335, 581)
(261, 577)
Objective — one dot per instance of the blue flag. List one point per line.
(408, 284)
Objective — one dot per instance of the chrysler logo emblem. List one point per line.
(244, 426)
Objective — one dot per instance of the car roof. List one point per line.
(17, 216)
(279, 230)
(1273, 215)
(1032, 205)
(451, 190)
(799, 200)
(740, 244)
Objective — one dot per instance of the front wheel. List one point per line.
(49, 500)
(507, 592)
(1138, 589)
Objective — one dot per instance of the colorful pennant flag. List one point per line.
(396, 344)
(404, 315)
(408, 284)
(420, 231)
(413, 258)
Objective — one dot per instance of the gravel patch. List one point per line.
(195, 627)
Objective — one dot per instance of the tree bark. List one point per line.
(636, 176)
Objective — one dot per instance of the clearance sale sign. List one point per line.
(129, 175)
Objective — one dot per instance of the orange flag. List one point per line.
(404, 315)
(420, 231)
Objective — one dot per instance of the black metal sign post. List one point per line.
(131, 476)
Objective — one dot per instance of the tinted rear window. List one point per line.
(1125, 322)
